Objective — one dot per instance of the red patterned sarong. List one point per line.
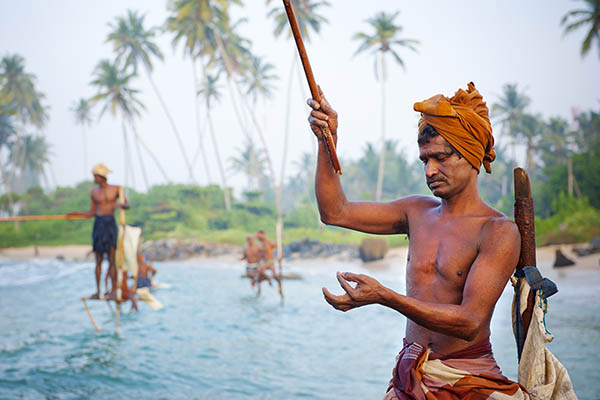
(469, 374)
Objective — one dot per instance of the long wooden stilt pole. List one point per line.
(117, 317)
(90, 314)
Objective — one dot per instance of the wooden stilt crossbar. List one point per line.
(90, 314)
(41, 218)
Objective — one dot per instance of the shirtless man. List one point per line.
(104, 235)
(462, 252)
(145, 272)
(269, 262)
(252, 255)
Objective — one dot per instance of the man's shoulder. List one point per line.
(417, 201)
(498, 226)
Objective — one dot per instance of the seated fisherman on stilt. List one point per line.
(462, 253)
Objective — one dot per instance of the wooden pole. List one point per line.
(525, 220)
(90, 314)
(42, 217)
(314, 91)
(117, 317)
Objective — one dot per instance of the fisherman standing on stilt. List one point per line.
(104, 235)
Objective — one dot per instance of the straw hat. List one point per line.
(101, 169)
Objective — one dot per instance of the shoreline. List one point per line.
(545, 256)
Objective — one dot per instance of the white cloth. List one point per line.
(540, 372)
(130, 249)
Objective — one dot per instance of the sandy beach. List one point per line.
(545, 256)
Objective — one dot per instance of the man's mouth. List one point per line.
(433, 184)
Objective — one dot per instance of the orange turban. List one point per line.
(463, 120)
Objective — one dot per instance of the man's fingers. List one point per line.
(345, 285)
(318, 122)
(319, 115)
(342, 303)
(313, 104)
(349, 276)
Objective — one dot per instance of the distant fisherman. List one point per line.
(104, 235)
(268, 261)
(145, 272)
(252, 255)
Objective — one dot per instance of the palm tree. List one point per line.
(31, 166)
(118, 97)
(250, 162)
(82, 111)
(306, 12)
(212, 95)
(133, 42)
(530, 129)
(383, 40)
(590, 16)
(20, 97)
(259, 79)
(188, 23)
(18, 91)
(554, 146)
(510, 107)
(7, 131)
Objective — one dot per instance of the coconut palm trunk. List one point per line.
(381, 168)
(140, 159)
(219, 163)
(198, 128)
(150, 153)
(85, 158)
(172, 123)
(213, 137)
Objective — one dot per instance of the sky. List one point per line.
(489, 43)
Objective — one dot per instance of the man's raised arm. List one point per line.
(334, 208)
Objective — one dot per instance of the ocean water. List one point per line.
(214, 339)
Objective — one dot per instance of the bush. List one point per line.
(574, 221)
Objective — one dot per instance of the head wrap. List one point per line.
(463, 120)
(101, 169)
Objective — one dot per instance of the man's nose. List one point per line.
(431, 168)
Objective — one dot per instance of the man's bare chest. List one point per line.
(442, 251)
(104, 195)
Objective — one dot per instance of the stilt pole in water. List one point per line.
(90, 314)
(117, 317)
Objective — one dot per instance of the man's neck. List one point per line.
(463, 203)
(103, 185)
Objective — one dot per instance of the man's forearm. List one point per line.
(328, 188)
(449, 319)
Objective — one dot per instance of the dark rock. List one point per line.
(372, 249)
(562, 260)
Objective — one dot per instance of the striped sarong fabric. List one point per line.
(470, 374)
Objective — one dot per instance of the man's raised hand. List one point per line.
(366, 291)
(321, 116)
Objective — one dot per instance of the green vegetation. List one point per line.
(562, 157)
(168, 211)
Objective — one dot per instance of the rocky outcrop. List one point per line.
(312, 248)
(373, 249)
(594, 247)
(175, 249)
